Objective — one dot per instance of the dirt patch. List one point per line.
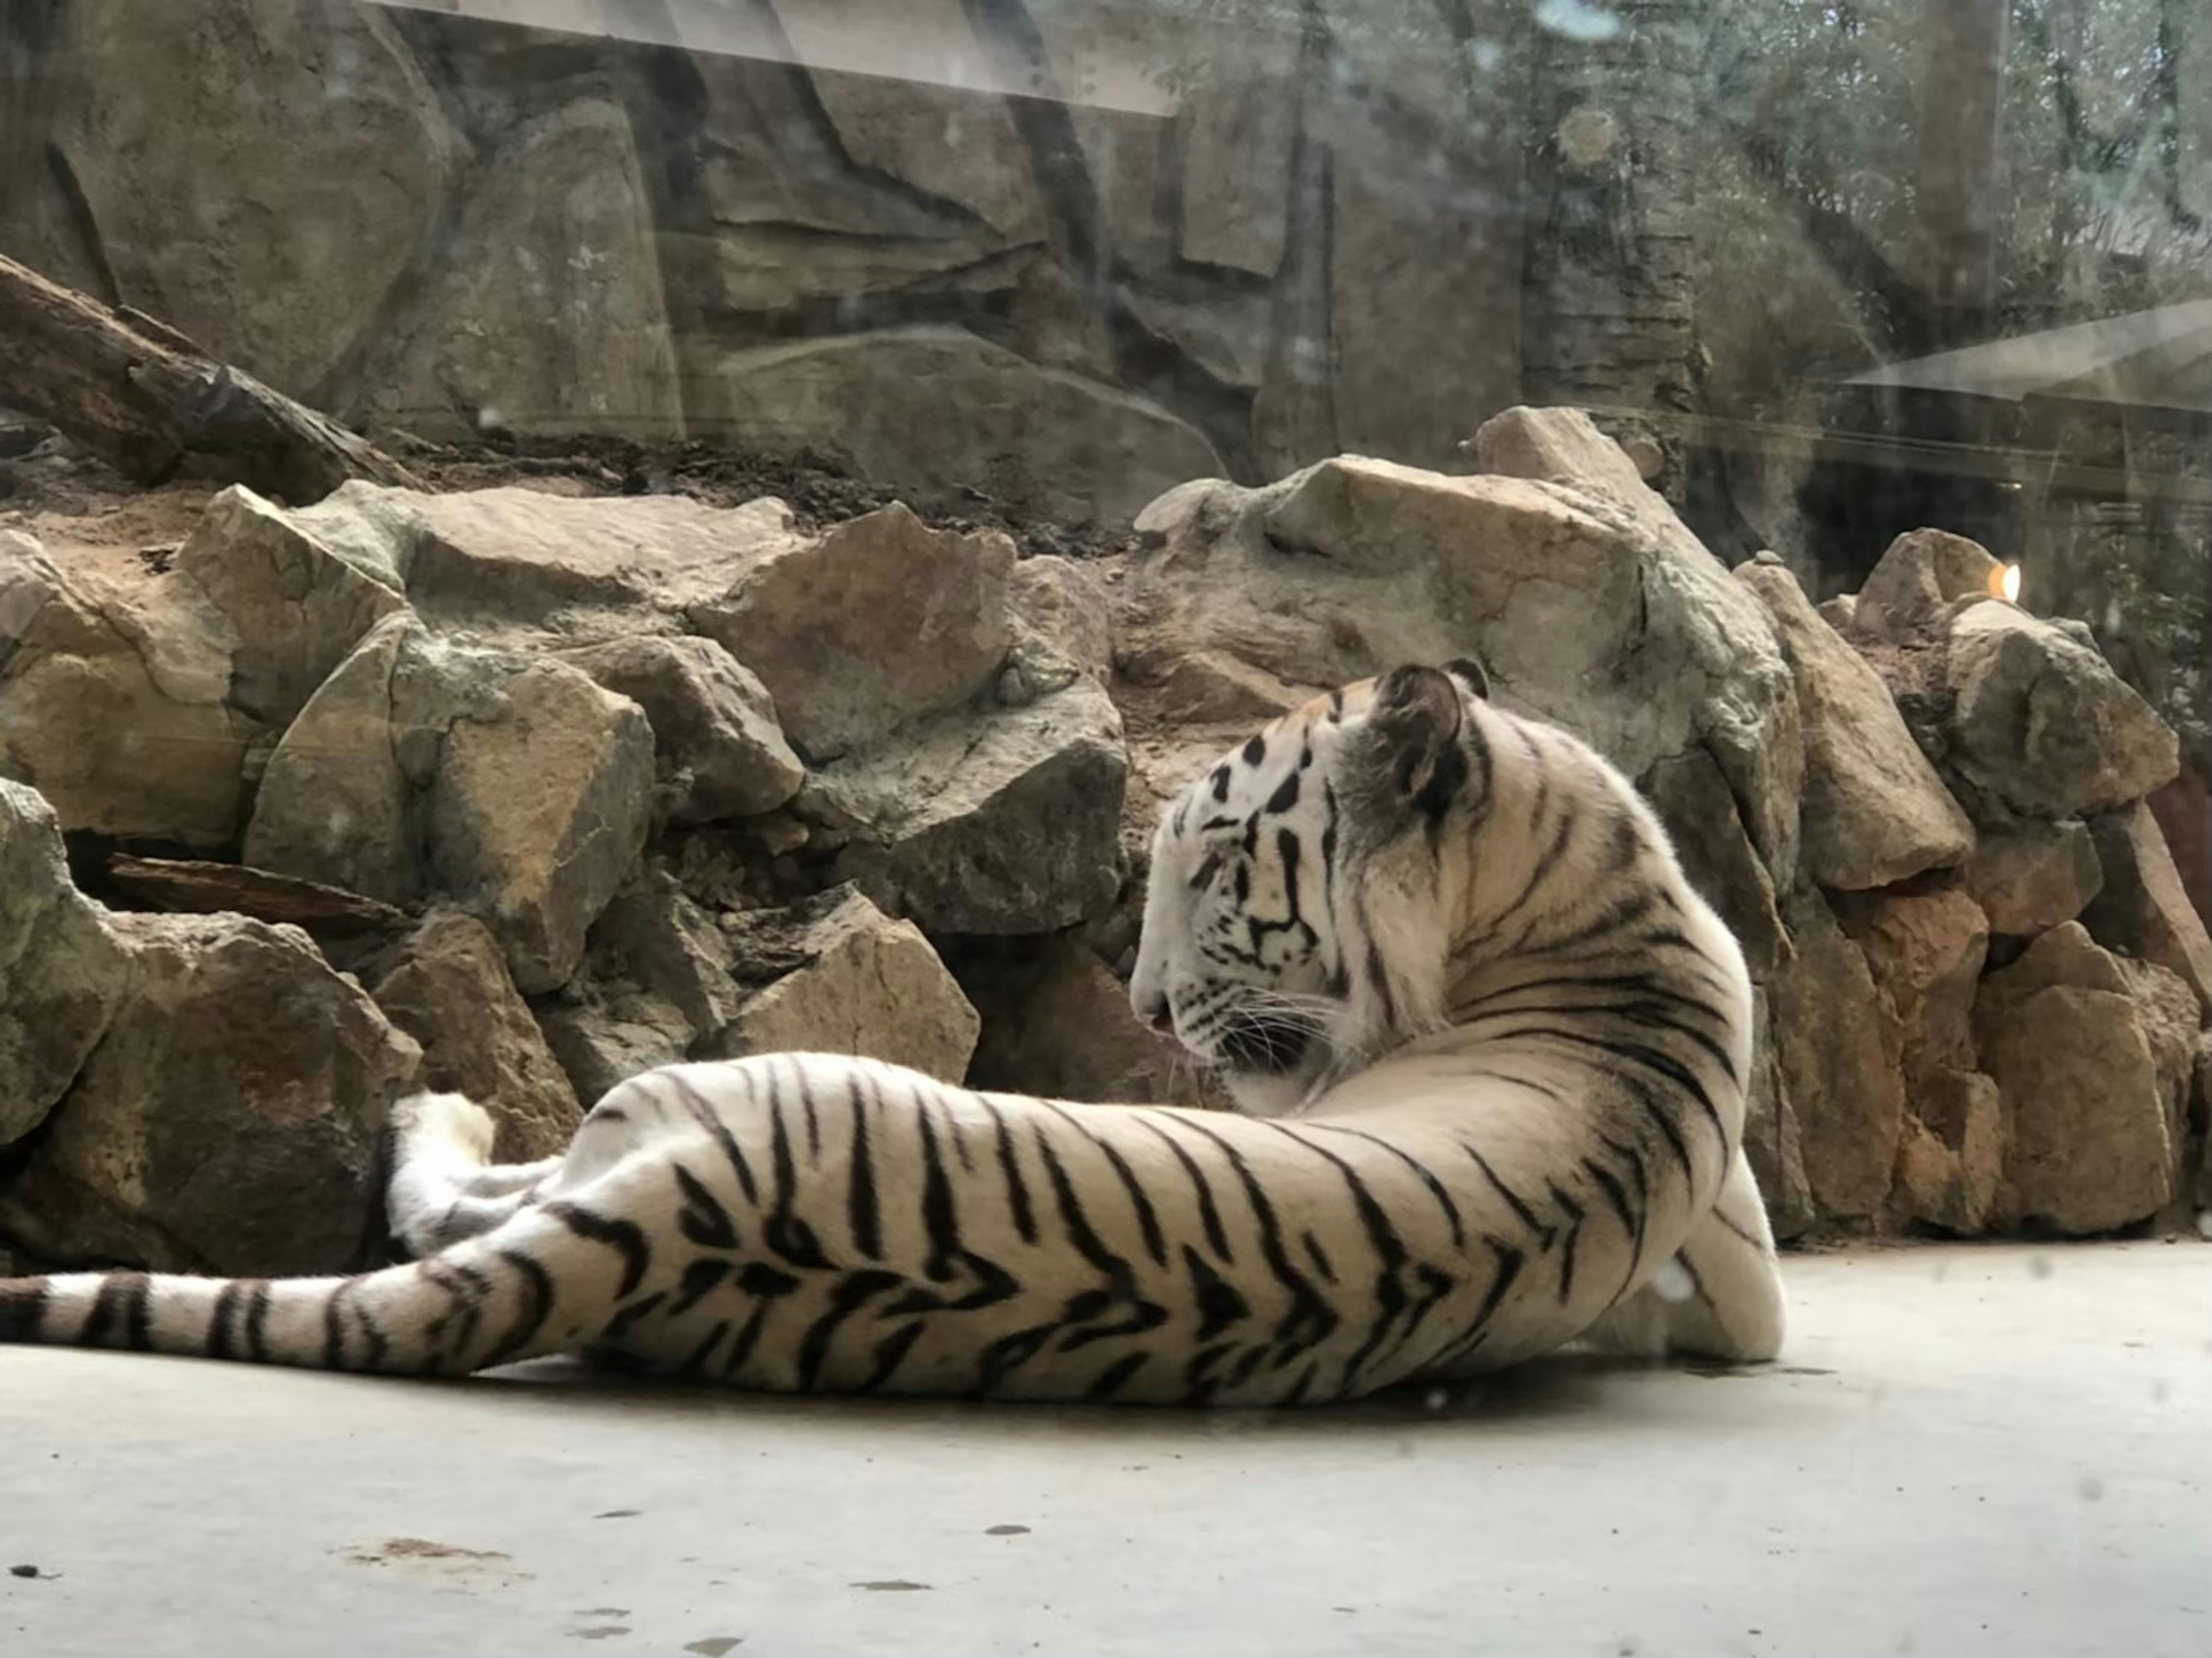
(463, 1567)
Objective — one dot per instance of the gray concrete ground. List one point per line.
(1964, 1451)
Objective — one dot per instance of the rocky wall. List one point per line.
(540, 789)
(1126, 247)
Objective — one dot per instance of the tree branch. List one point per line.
(148, 401)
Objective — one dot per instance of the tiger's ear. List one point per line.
(1417, 714)
(1471, 674)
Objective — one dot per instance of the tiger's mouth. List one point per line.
(1271, 1044)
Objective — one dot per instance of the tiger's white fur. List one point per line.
(1493, 1045)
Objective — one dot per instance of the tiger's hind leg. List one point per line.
(1719, 1298)
(444, 1188)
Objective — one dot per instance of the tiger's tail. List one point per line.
(534, 1287)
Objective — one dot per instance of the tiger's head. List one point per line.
(1297, 919)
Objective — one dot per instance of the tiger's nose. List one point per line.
(1157, 1016)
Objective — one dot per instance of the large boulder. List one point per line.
(1593, 611)
(655, 937)
(606, 1034)
(1053, 442)
(114, 684)
(719, 751)
(543, 312)
(1062, 623)
(1773, 1140)
(1694, 801)
(1875, 811)
(61, 972)
(2091, 1144)
(1748, 716)
(313, 114)
(481, 558)
(1061, 1028)
(227, 1122)
(513, 786)
(1951, 1154)
(2200, 1109)
(2142, 907)
(447, 986)
(296, 605)
(1839, 1055)
(841, 977)
(878, 622)
(2041, 723)
(1919, 581)
(1925, 950)
(996, 822)
(2029, 876)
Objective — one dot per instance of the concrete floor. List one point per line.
(1964, 1451)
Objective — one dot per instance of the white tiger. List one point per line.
(1494, 1046)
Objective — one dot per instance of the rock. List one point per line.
(61, 973)
(1044, 440)
(1063, 1030)
(2042, 724)
(2064, 955)
(1586, 612)
(611, 1033)
(1773, 1140)
(2200, 1113)
(1839, 1054)
(1925, 950)
(2142, 909)
(1875, 811)
(865, 984)
(338, 802)
(229, 1121)
(2091, 1146)
(878, 622)
(447, 986)
(296, 605)
(1950, 1157)
(1002, 823)
(1203, 687)
(944, 140)
(1918, 582)
(1693, 801)
(483, 557)
(313, 113)
(1840, 612)
(2171, 1018)
(655, 937)
(2202, 1117)
(512, 786)
(1749, 716)
(1398, 252)
(2184, 810)
(113, 702)
(513, 330)
(1058, 603)
(719, 752)
(2029, 876)
(1234, 135)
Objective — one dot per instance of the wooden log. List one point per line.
(152, 404)
(206, 888)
